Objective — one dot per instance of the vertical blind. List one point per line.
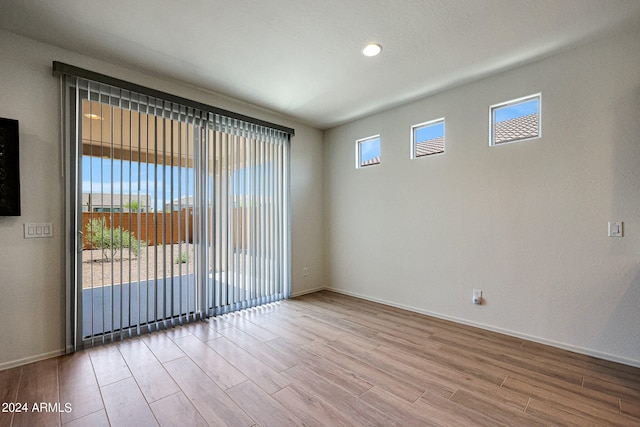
(177, 212)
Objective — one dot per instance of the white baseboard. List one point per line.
(564, 346)
(30, 359)
(309, 291)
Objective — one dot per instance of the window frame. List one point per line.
(423, 125)
(495, 107)
(359, 143)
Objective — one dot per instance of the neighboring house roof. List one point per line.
(183, 202)
(373, 161)
(517, 128)
(99, 200)
(430, 146)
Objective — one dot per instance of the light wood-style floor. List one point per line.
(324, 359)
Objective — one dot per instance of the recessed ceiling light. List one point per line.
(372, 49)
(93, 116)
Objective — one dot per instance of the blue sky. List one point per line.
(369, 149)
(97, 177)
(426, 133)
(517, 110)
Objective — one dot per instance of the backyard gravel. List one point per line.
(127, 267)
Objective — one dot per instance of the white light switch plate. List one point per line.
(615, 229)
(38, 230)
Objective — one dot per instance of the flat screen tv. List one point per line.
(9, 168)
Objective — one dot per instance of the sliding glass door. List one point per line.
(249, 223)
(176, 214)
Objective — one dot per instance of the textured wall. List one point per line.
(32, 272)
(524, 222)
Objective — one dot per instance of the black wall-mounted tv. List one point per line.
(9, 168)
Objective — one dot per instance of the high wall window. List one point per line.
(368, 151)
(515, 120)
(427, 138)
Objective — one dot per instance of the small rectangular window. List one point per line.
(427, 138)
(368, 151)
(515, 120)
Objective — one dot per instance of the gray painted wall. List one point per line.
(524, 222)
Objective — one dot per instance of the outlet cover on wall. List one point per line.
(477, 296)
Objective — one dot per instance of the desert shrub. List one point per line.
(103, 237)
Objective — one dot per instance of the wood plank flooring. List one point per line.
(323, 359)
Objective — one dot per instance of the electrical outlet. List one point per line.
(477, 296)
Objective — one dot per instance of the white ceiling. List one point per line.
(302, 58)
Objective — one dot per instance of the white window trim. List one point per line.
(420, 125)
(522, 99)
(358, 151)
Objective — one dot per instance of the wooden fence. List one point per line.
(145, 225)
(151, 225)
